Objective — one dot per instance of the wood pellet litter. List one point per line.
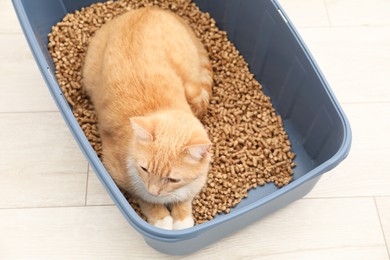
(250, 146)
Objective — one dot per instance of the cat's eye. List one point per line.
(144, 169)
(172, 180)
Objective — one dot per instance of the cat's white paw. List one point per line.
(165, 223)
(182, 224)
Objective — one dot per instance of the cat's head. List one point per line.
(171, 153)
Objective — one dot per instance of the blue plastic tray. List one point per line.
(317, 127)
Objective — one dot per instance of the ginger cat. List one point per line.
(149, 79)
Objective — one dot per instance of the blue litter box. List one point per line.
(260, 29)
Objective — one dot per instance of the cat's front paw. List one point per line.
(165, 223)
(182, 224)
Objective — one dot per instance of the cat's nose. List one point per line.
(154, 191)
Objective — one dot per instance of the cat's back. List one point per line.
(152, 35)
(136, 45)
(137, 63)
(144, 35)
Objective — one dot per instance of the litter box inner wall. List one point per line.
(48, 14)
(286, 74)
(42, 19)
(74, 5)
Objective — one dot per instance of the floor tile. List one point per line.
(22, 87)
(355, 61)
(319, 228)
(67, 233)
(306, 13)
(40, 162)
(364, 171)
(383, 204)
(96, 194)
(358, 12)
(8, 20)
(309, 229)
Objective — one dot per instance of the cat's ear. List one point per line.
(198, 146)
(143, 128)
(198, 151)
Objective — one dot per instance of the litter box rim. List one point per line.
(132, 217)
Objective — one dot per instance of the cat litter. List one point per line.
(250, 146)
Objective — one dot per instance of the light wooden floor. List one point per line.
(52, 205)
